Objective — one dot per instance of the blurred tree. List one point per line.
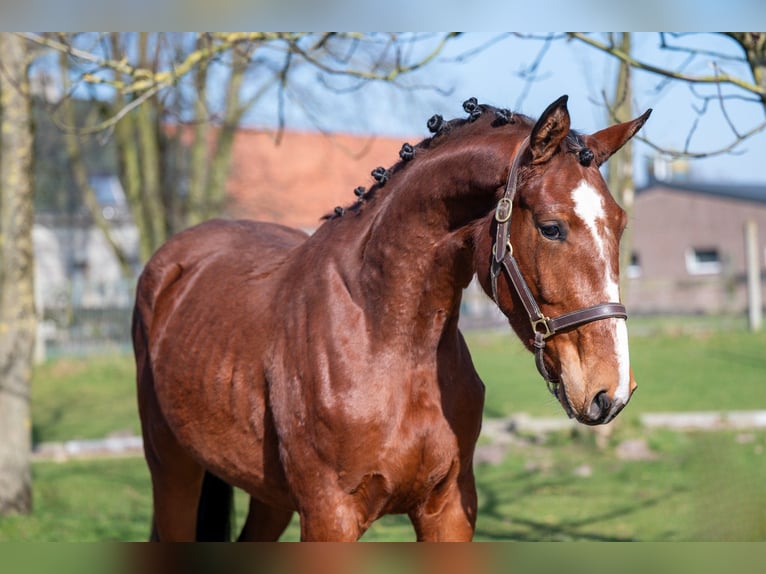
(17, 301)
(737, 74)
(738, 63)
(620, 165)
(172, 103)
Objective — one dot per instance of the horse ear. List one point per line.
(607, 141)
(550, 129)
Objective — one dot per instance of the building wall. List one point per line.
(305, 177)
(666, 226)
(75, 267)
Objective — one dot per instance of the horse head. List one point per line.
(555, 263)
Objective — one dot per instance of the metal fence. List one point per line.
(74, 325)
(70, 328)
(84, 331)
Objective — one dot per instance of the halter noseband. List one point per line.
(502, 258)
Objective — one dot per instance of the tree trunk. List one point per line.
(210, 161)
(132, 157)
(80, 174)
(148, 131)
(620, 166)
(754, 46)
(221, 160)
(196, 208)
(17, 301)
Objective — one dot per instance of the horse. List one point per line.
(326, 374)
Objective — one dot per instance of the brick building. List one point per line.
(305, 176)
(688, 247)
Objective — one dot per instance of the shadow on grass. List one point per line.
(499, 522)
(756, 360)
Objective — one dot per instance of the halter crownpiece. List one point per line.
(502, 259)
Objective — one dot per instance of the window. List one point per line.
(634, 267)
(703, 261)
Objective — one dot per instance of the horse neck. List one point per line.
(418, 254)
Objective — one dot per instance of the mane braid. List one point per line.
(575, 144)
(482, 117)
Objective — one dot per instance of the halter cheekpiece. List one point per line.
(503, 259)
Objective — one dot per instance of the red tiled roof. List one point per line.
(304, 177)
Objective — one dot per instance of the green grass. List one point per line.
(679, 366)
(95, 500)
(77, 398)
(676, 369)
(700, 487)
(706, 486)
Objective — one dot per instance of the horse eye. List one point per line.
(552, 231)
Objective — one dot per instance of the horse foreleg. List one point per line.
(264, 523)
(331, 518)
(449, 513)
(333, 526)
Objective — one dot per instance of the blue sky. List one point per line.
(572, 68)
(491, 77)
(367, 15)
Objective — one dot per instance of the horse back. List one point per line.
(255, 247)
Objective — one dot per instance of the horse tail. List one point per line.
(214, 510)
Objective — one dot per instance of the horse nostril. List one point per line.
(599, 408)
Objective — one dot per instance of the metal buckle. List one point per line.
(546, 332)
(503, 210)
(508, 248)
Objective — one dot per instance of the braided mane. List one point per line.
(445, 131)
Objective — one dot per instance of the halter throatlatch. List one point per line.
(502, 259)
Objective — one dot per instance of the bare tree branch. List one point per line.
(140, 78)
(397, 70)
(529, 74)
(694, 52)
(726, 87)
(715, 78)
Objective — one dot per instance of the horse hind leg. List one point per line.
(264, 523)
(176, 483)
(189, 503)
(176, 477)
(176, 486)
(214, 510)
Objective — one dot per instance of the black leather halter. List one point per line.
(503, 259)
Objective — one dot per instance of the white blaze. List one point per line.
(589, 207)
(622, 393)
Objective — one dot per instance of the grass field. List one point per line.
(703, 486)
(677, 369)
(699, 487)
(698, 367)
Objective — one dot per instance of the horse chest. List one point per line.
(409, 465)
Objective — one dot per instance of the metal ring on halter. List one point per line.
(508, 248)
(546, 332)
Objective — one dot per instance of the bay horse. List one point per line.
(326, 375)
